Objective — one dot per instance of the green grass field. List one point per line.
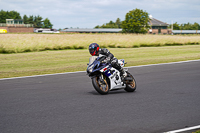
(48, 62)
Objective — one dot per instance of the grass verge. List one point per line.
(48, 62)
(198, 131)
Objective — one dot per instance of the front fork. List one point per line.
(101, 78)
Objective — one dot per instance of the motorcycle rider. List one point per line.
(95, 50)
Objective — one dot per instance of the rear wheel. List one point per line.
(100, 85)
(130, 84)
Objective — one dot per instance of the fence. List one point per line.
(3, 25)
(15, 25)
(186, 31)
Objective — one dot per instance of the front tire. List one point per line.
(100, 87)
(130, 85)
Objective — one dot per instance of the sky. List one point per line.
(90, 13)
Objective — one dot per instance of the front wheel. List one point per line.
(100, 84)
(130, 85)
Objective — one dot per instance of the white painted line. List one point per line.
(41, 75)
(85, 71)
(184, 129)
(164, 63)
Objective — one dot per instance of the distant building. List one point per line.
(14, 21)
(16, 25)
(158, 27)
(90, 30)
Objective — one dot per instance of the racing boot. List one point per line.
(123, 74)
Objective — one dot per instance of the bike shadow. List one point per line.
(109, 93)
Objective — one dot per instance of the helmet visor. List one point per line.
(91, 51)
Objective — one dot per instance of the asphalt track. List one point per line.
(167, 98)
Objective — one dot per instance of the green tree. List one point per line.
(47, 24)
(3, 16)
(111, 24)
(181, 26)
(195, 26)
(25, 18)
(38, 21)
(187, 26)
(136, 21)
(118, 23)
(30, 20)
(8, 15)
(13, 15)
(35, 20)
(176, 26)
(96, 27)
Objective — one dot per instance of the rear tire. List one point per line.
(101, 88)
(130, 85)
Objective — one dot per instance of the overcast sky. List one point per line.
(90, 13)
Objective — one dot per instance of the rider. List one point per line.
(95, 51)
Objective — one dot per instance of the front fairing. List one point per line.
(95, 66)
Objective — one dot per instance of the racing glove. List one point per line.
(107, 60)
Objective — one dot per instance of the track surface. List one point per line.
(167, 98)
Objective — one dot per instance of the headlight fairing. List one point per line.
(90, 68)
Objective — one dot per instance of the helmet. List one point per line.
(94, 49)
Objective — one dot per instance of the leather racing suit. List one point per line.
(113, 60)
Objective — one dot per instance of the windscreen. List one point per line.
(92, 59)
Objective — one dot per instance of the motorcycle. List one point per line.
(105, 78)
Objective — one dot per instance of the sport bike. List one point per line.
(105, 78)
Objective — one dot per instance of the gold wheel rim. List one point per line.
(132, 83)
(100, 86)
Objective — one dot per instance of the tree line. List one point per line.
(187, 26)
(111, 24)
(37, 21)
(136, 21)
